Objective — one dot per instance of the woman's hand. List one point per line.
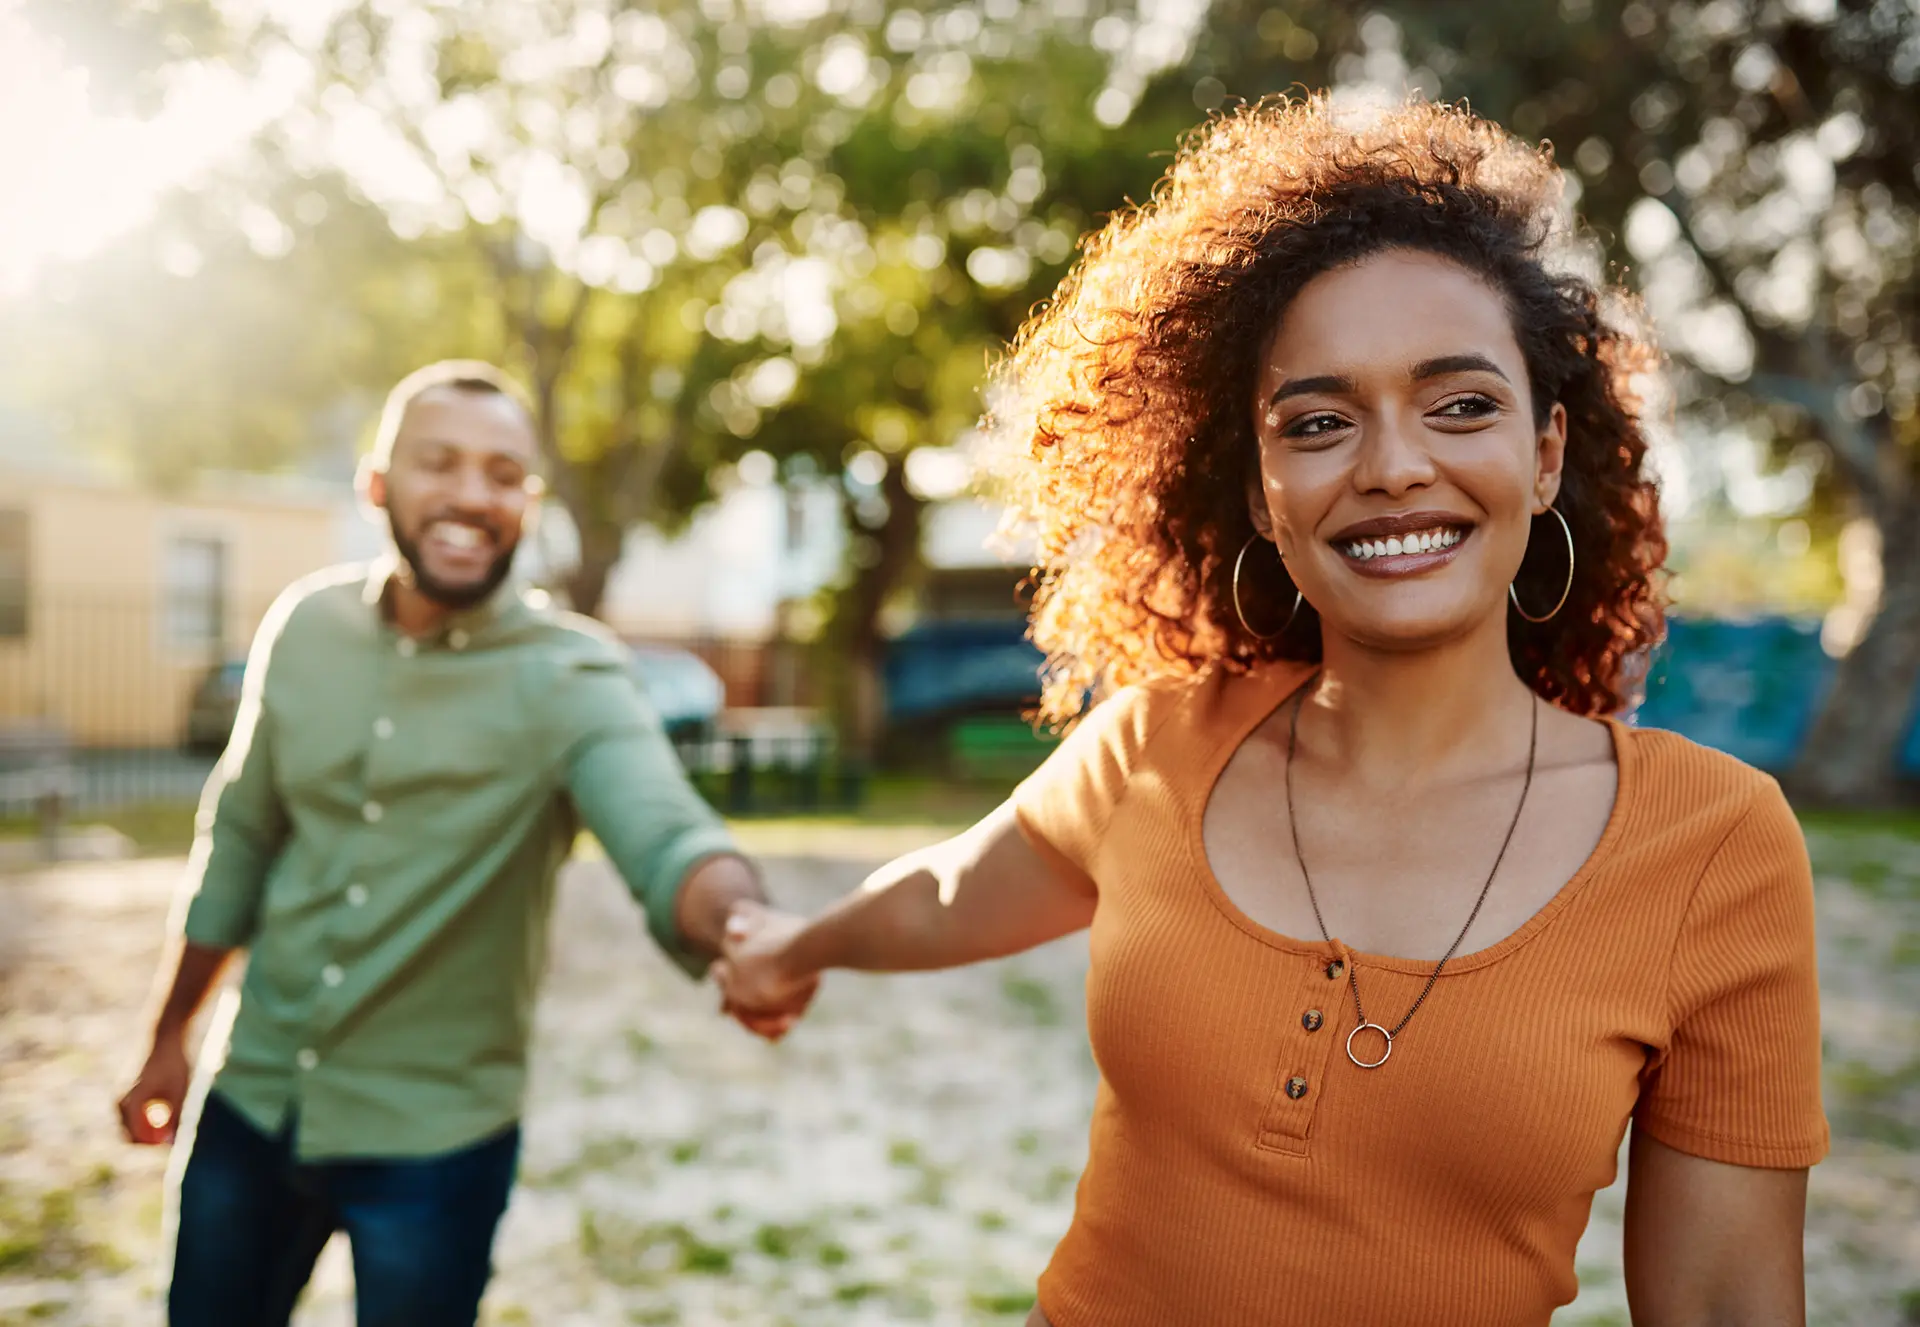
(760, 985)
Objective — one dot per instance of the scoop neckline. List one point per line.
(1223, 752)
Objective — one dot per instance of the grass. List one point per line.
(46, 1237)
(1900, 822)
(1035, 1000)
(157, 829)
(630, 1254)
(1002, 1303)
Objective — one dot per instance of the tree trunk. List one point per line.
(1850, 755)
(874, 584)
(601, 543)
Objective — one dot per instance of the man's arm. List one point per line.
(705, 900)
(239, 831)
(671, 848)
(150, 1109)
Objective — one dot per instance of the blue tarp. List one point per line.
(1749, 688)
(1752, 689)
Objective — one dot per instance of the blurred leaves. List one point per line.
(128, 48)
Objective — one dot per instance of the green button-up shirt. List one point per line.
(383, 835)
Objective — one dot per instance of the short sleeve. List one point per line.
(1064, 807)
(1739, 1079)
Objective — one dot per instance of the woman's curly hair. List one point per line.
(1124, 407)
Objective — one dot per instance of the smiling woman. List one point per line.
(1395, 928)
(1134, 385)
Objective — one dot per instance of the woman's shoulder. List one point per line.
(1184, 714)
(1695, 790)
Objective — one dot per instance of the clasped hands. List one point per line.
(760, 985)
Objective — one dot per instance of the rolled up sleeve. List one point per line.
(241, 825)
(631, 792)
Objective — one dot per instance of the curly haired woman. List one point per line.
(1338, 472)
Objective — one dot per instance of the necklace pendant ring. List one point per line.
(1369, 1064)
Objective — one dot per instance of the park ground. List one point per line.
(908, 1157)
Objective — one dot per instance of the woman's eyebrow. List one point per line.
(1445, 364)
(1330, 383)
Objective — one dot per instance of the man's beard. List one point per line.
(454, 597)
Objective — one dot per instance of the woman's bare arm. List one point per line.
(983, 894)
(1712, 1245)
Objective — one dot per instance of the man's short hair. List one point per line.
(475, 376)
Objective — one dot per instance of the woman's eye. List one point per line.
(1468, 407)
(1310, 426)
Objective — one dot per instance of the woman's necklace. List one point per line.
(1353, 980)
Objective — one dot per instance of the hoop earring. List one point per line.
(1241, 612)
(1565, 591)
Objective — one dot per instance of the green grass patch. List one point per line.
(1034, 999)
(634, 1254)
(780, 1242)
(1002, 1303)
(1900, 822)
(45, 1237)
(598, 1154)
(1874, 1103)
(157, 829)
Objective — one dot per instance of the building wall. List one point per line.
(108, 653)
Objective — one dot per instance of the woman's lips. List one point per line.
(1403, 554)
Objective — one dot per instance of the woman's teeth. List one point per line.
(1422, 541)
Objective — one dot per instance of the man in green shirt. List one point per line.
(417, 745)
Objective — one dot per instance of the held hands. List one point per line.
(758, 984)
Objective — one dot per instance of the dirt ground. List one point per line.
(908, 1157)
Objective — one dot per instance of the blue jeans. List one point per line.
(253, 1221)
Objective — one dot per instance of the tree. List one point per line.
(221, 336)
(1755, 160)
(974, 168)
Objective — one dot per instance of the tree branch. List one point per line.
(1800, 371)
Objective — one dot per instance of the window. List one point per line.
(13, 575)
(195, 606)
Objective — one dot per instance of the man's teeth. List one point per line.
(1422, 541)
(460, 536)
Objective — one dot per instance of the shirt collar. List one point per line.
(463, 624)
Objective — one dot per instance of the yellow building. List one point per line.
(115, 602)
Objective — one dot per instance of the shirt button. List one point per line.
(383, 728)
(332, 974)
(372, 812)
(356, 895)
(1296, 1088)
(1312, 1019)
(307, 1058)
(407, 646)
(1334, 969)
(457, 639)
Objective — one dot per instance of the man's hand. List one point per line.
(150, 1111)
(759, 985)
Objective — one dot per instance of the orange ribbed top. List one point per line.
(1670, 982)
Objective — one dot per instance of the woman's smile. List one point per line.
(1406, 544)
